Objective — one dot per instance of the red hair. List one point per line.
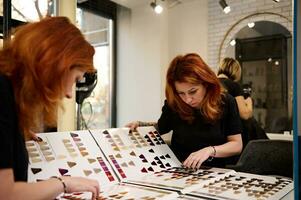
(37, 61)
(191, 68)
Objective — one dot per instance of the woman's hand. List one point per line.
(79, 184)
(133, 125)
(32, 136)
(195, 159)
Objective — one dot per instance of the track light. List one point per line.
(225, 6)
(233, 42)
(251, 24)
(157, 8)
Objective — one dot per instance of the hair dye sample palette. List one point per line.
(124, 192)
(135, 154)
(75, 196)
(183, 180)
(246, 186)
(134, 192)
(139, 165)
(186, 197)
(68, 154)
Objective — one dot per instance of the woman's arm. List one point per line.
(48, 189)
(163, 125)
(136, 124)
(232, 147)
(245, 107)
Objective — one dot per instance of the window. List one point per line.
(23, 11)
(96, 110)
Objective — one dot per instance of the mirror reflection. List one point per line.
(264, 51)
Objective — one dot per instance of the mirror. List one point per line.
(264, 50)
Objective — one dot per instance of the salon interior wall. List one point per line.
(146, 44)
(219, 23)
(66, 117)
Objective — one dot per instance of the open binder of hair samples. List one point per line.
(139, 165)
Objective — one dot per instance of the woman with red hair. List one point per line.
(204, 120)
(38, 68)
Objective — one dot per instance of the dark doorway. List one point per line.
(264, 62)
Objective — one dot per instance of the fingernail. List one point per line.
(40, 139)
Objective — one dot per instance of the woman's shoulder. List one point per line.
(168, 110)
(6, 89)
(229, 83)
(4, 82)
(228, 98)
(166, 107)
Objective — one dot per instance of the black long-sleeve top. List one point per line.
(13, 153)
(191, 137)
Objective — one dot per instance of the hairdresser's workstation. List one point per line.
(150, 99)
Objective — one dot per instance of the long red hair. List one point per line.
(191, 68)
(37, 60)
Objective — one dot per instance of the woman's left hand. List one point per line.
(195, 159)
(33, 136)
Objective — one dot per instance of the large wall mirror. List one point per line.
(264, 50)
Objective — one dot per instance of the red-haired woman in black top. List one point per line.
(204, 120)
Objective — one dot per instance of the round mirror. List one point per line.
(264, 50)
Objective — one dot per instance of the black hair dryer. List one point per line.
(84, 89)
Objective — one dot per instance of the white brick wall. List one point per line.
(220, 23)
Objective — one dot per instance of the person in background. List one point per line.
(38, 68)
(229, 74)
(204, 119)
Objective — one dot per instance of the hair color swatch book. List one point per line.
(133, 165)
(124, 192)
(183, 180)
(68, 154)
(109, 156)
(246, 186)
(135, 154)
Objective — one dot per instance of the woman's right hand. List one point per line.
(79, 184)
(132, 125)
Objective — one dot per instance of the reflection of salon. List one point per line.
(134, 42)
(267, 72)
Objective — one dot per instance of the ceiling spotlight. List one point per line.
(157, 8)
(251, 24)
(232, 42)
(277, 1)
(225, 6)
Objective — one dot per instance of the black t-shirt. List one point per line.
(232, 87)
(191, 137)
(13, 153)
(251, 130)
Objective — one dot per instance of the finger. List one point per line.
(129, 125)
(199, 164)
(185, 163)
(35, 137)
(194, 164)
(188, 162)
(93, 190)
(97, 188)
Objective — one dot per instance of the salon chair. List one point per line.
(266, 157)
